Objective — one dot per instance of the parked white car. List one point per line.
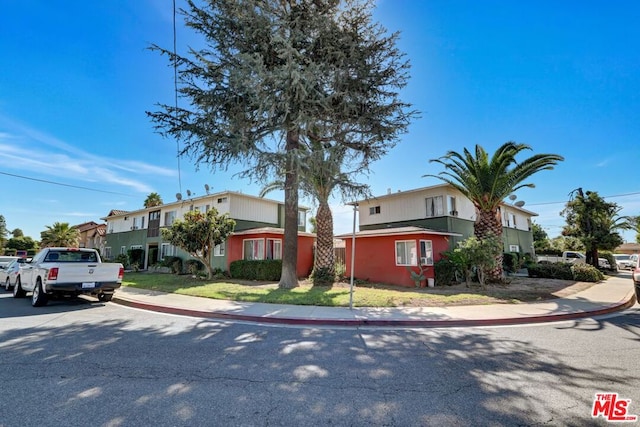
(10, 274)
(624, 261)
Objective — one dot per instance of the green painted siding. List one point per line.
(510, 236)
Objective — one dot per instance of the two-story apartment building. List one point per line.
(258, 233)
(445, 209)
(400, 231)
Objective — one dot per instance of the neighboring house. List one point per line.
(91, 235)
(389, 255)
(443, 208)
(257, 219)
(628, 248)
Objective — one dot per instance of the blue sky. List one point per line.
(77, 78)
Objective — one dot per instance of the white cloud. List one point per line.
(69, 162)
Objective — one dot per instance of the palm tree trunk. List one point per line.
(324, 268)
(489, 223)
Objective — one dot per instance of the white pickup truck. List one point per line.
(68, 271)
(570, 257)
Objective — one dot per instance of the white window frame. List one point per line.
(257, 253)
(107, 252)
(434, 206)
(375, 210)
(123, 250)
(136, 247)
(453, 208)
(426, 252)
(218, 250)
(408, 251)
(274, 246)
(222, 200)
(302, 218)
(169, 218)
(167, 249)
(514, 248)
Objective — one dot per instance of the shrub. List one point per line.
(510, 262)
(565, 271)
(136, 256)
(194, 266)
(322, 277)
(586, 273)
(445, 272)
(266, 269)
(551, 271)
(174, 263)
(123, 259)
(341, 270)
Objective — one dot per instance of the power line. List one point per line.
(66, 185)
(175, 88)
(604, 197)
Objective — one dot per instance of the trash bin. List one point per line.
(431, 283)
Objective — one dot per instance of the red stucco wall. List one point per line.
(375, 258)
(305, 250)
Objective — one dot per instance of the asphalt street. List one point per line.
(81, 362)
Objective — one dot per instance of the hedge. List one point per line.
(267, 269)
(566, 271)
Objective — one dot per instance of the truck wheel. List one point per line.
(105, 297)
(39, 298)
(18, 292)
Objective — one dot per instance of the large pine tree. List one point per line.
(278, 74)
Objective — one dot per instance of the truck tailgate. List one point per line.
(91, 272)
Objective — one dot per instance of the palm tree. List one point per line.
(153, 199)
(320, 175)
(59, 234)
(488, 181)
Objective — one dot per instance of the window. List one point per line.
(107, 252)
(302, 218)
(253, 249)
(453, 210)
(514, 248)
(426, 252)
(406, 252)
(222, 200)
(374, 210)
(169, 217)
(142, 222)
(434, 206)
(123, 250)
(167, 249)
(136, 247)
(135, 223)
(274, 249)
(218, 250)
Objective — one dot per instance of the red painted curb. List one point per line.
(370, 322)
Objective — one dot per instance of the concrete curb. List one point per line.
(628, 301)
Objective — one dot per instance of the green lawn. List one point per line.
(337, 296)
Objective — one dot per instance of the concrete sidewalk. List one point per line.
(609, 296)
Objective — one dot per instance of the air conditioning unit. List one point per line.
(453, 213)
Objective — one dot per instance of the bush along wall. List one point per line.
(564, 271)
(266, 269)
